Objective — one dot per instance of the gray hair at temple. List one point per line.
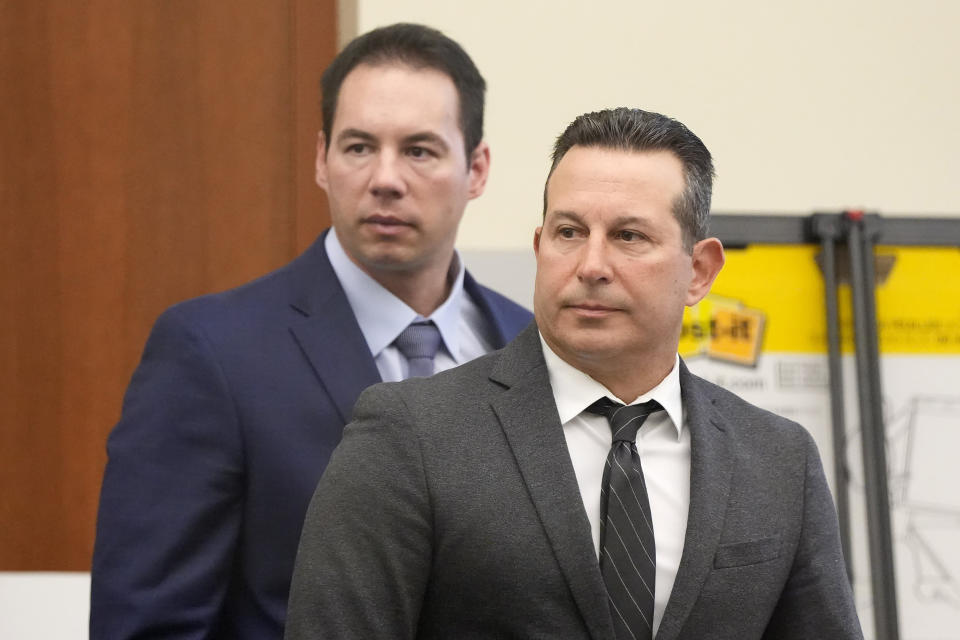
(627, 129)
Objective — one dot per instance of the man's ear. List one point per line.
(708, 259)
(479, 168)
(321, 162)
(536, 241)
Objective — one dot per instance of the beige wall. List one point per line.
(812, 105)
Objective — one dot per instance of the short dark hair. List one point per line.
(420, 47)
(637, 130)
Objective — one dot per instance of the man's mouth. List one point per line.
(386, 223)
(592, 309)
(380, 218)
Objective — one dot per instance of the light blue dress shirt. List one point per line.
(382, 316)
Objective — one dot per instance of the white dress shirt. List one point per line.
(464, 331)
(664, 447)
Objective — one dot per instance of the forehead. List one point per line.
(598, 179)
(396, 95)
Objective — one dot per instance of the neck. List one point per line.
(630, 384)
(619, 372)
(422, 290)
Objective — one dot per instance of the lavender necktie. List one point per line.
(418, 343)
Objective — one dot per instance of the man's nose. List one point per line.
(387, 179)
(595, 260)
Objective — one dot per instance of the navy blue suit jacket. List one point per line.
(227, 425)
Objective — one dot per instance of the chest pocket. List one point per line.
(740, 554)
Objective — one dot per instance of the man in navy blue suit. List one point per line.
(241, 396)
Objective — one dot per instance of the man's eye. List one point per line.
(566, 232)
(418, 152)
(629, 236)
(358, 147)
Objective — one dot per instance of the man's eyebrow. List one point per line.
(619, 221)
(564, 215)
(426, 136)
(624, 220)
(355, 134)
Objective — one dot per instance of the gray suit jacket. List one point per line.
(451, 510)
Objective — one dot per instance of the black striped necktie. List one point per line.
(628, 557)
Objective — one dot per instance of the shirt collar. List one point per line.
(574, 391)
(382, 315)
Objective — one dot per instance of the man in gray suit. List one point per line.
(482, 502)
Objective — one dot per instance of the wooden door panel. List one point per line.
(149, 151)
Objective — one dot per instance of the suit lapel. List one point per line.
(327, 331)
(330, 337)
(502, 328)
(711, 468)
(528, 416)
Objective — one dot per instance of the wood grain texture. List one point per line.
(149, 152)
